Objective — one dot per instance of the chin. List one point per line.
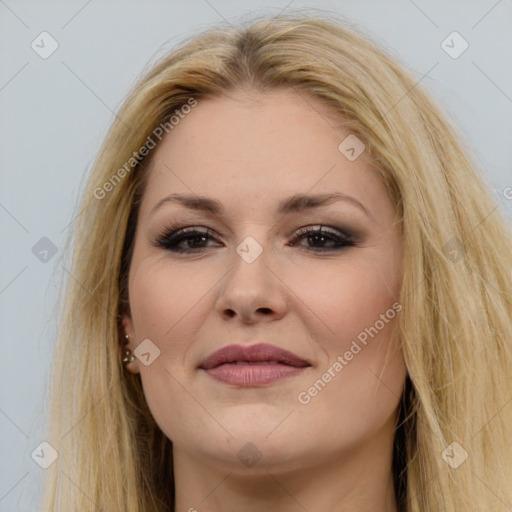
(250, 449)
(261, 423)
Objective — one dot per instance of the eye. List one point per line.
(324, 238)
(195, 239)
(185, 240)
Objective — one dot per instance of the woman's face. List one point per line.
(254, 269)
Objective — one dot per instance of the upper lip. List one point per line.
(252, 353)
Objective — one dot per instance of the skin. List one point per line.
(250, 151)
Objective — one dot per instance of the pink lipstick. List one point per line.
(254, 365)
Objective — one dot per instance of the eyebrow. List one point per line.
(295, 203)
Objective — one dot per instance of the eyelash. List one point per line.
(173, 236)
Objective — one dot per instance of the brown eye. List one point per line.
(195, 239)
(185, 240)
(324, 239)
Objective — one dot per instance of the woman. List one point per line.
(290, 291)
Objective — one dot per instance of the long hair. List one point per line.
(456, 325)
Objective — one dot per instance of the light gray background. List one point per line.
(55, 112)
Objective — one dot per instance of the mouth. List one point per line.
(254, 365)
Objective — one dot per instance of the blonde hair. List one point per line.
(456, 323)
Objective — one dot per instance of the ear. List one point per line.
(130, 343)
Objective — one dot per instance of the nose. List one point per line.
(252, 292)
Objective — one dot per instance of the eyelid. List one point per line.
(172, 236)
(349, 234)
(182, 229)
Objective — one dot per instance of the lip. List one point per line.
(253, 365)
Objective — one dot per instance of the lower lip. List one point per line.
(247, 376)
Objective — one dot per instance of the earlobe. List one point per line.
(127, 346)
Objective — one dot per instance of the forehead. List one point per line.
(258, 147)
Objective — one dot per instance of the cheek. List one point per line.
(165, 299)
(348, 299)
(360, 306)
(165, 303)
(355, 313)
